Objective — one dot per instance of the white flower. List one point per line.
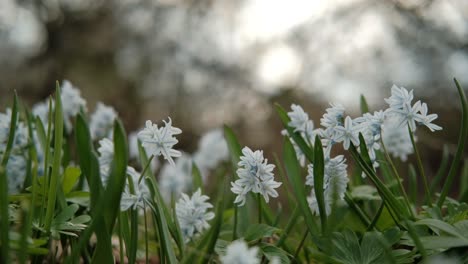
(173, 180)
(255, 175)
(301, 123)
(106, 155)
(333, 117)
(16, 173)
(134, 153)
(72, 103)
(136, 197)
(426, 120)
(335, 181)
(102, 121)
(239, 253)
(396, 139)
(157, 141)
(192, 214)
(400, 98)
(212, 149)
(349, 133)
(400, 106)
(300, 120)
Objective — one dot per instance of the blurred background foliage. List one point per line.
(205, 63)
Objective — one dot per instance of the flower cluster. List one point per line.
(334, 183)
(72, 103)
(135, 193)
(212, 149)
(102, 121)
(387, 126)
(192, 214)
(301, 123)
(176, 179)
(238, 252)
(400, 105)
(159, 141)
(255, 175)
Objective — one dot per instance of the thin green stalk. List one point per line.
(259, 201)
(4, 216)
(460, 149)
(373, 224)
(143, 173)
(121, 248)
(397, 178)
(361, 214)
(296, 254)
(289, 226)
(421, 169)
(58, 140)
(45, 183)
(234, 228)
(146, 234)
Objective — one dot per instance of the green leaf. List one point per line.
(319, 174)
(460, 149)
(258, 231)
(271, 251)
(57, 159)
(438, 225)
(293, 170)
(233, 145)
(363, 104)
(4, 220)
(242, 214)
(89, 163)
(70, 178)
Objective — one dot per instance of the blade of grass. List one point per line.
(428, 198)
(460, 149)
(241, 214)
(413, 185)
(293, 171)
(441, 171)
(57, 158)
(5, 219)
(319, 173)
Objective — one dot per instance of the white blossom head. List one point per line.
(193, 215)
(255, 175)
(102, 121)
(106, 156)
(334, 183)
(396, 139)
(160, 141)
(400, 98)
(173, 180)
(72, 103)
(212, 149)
(238, 252)
(134, 198)
(16, 171)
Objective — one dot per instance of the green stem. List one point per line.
(146, 234)
(234, 229)
(397, 178)
(259, 201)
(421, 169)
(460, 149)
(300, 245)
